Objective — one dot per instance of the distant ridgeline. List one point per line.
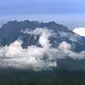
(11, 31)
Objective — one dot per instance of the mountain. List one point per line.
(11, 31)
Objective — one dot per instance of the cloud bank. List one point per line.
(34, 57)
(80, 31)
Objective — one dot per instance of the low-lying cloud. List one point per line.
(34, 57)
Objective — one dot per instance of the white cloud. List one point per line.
(80, 31)
(33, 57)
(71, 36)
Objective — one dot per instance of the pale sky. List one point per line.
(68, 12)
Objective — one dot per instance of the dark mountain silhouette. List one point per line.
(11, 31)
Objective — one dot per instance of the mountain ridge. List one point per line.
(11, 31)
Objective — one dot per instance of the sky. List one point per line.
(68, 12)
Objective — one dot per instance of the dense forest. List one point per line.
(59, 77)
